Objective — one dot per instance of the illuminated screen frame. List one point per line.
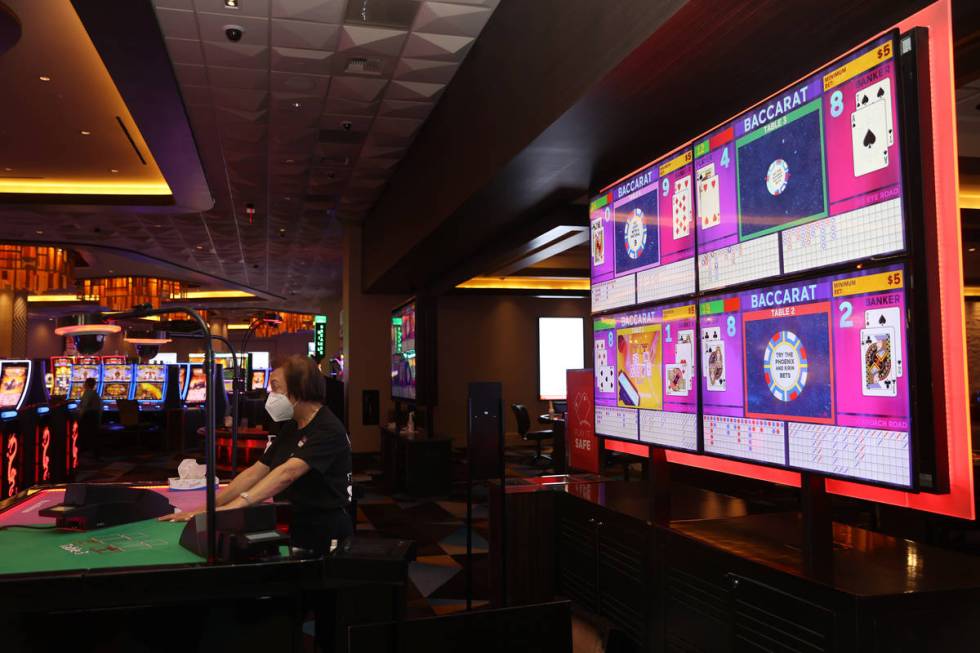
(407, 391)
(28, 366)
(943, 284)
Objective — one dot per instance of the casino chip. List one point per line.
(777, 177)
(785, 366)
(636, 235)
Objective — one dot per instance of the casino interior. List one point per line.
(524, 242)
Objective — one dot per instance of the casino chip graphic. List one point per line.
(636, 235)
(785, 366)
(777, 177)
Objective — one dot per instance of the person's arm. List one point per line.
(241, 483)
(275, 482)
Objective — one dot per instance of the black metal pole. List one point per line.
(209, 445)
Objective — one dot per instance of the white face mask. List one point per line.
(278, 407)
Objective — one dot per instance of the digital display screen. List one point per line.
(403, 352)
(80, 372)
(258, 379)
(113, 390)
(645, 371)
(642, 236)
(151, 373)
(197, 388)
(147, 391)
(115, 373)
(13, 383)
(810, 178)
(61, 369)
(811, 375)
(182, 380)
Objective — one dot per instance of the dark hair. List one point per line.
(90, 383)
(303, 379)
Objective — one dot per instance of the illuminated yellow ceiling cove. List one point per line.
(525, 283)
(65, 127)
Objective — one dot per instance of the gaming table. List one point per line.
(45, 574)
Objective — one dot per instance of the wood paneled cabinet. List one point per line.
(604, 565)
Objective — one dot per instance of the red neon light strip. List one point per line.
(641, 450)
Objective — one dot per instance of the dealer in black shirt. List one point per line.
(308, 464)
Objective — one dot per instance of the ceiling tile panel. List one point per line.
(304, 34)
(420, 91)
(246, 8)
(193, 75)
(444, 47)
(360, 89)
(445, 18)
(324, 11)
(371, 40)
(424, 70)
(236, 55)
(298, 60)
(405, 109)
(176, 23)
(255, 31)
(185, 51)
(248, 78)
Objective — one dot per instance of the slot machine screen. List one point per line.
(13, 382)
(259, 379)
(150, 381)
(61, 370)
(117, 381)
(81, 371)
(197, 386)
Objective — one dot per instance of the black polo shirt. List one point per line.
(324, 446)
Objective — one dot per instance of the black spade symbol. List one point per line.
(869, 139)
(864, 99)
(881, 92)
(881, 320)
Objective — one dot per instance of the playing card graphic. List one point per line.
(598, 244)
(601, 354)
(713, 358)
(869, 139)
(877, 364)
(709, 198)
(890, 318)
(682, 208)
(880, 92)
(606, 379)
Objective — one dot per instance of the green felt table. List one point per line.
(138, 544)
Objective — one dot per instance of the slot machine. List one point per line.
(60, 369)
(151, 386)
(258, 380)
(117, 383)
(85, 367)
(15, 470)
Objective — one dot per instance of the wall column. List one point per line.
(366, 344)
(13, 324)
(219, 327)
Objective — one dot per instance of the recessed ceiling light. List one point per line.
(113, 171)
(39, 232)
(8, 169)
(973, 249)
(86, 132)
(200, 247)
(296, 105)
(290, 161)
(44, 78)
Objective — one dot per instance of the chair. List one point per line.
(129, 419)
(524, 428)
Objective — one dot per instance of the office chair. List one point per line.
(524, 428)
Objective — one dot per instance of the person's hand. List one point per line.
(186, 515)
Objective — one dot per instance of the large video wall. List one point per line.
(751, 288)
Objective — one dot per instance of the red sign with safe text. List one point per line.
(580, 439)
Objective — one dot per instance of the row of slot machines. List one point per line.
(145, 383)
(39, 419)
